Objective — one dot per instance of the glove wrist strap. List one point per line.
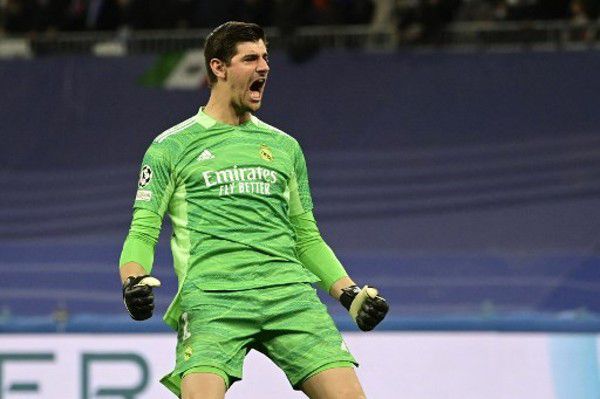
(126, 284)
(348, 295)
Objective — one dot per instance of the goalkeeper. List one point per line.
(245, 244)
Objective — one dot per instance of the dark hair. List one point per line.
(222, 42)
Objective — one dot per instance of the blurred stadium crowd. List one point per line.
(33, 16)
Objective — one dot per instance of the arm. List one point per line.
(366, 307)
(317, 256)
(136, 264)
(137, 256)
(131, 269)
(155, 188)
(337, 287)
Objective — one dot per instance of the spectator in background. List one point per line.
(579, 19)
(522, 9)
(257, 11)
(341, 12)
(502, 10)
(182, 12)
(51, 15)
(155, 14)
(354, 12)
(553, 9)
(384, 16)
(476, 10)
(424, 21)
(579, 14)
(324, 12)
(75, 16)
(103, 15)
(214, 13)
(19, 16)
(417, 21)
(436, 14)
(173, 14)
(289, 15)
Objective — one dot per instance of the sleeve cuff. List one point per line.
(138, 251)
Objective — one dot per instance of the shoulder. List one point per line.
(275, 131)
(180, 129)
(170, 142)
(288, 142)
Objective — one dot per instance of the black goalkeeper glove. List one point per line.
(138, 296)
(366, 307)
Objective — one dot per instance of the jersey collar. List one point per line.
(207, 122)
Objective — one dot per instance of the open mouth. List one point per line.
(256, 89)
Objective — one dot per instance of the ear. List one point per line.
(218, 68)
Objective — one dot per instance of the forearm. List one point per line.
(137, 256)
(336, 289)
(131, 269)
(135, 264)
(365, 306)
(317, 256)
(322, 262)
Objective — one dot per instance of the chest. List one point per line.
(237, 164)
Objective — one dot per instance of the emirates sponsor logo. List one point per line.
(238, 180)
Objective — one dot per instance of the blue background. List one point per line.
(464, 186)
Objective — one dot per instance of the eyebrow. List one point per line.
(255, 55)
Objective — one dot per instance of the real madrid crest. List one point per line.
(265, 153)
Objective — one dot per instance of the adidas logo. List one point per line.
(206, 155)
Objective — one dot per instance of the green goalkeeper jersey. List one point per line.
(230, 192)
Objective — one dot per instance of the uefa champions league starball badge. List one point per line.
(145, 176)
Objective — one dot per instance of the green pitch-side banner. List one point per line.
(182, 70)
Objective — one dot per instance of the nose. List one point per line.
(263, 66)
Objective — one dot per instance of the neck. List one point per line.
(221, 108)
